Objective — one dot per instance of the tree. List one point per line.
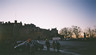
(76, 31)
(95, 31)
(70, 32)
(67, 32)
(91, 32)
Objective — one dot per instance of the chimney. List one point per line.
(15, 21)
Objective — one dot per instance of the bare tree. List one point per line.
(67, 32)
(70, 32)
(91, 32)
(76, 31)
(95, 31)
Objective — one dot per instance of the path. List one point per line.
(62, 51)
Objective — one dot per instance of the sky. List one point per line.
(49, 14)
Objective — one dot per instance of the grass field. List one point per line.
(67, 48)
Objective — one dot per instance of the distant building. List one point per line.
(17, 31)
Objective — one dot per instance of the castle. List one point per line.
(17, 31)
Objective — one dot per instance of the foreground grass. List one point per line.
(79, 47)
(33, 53)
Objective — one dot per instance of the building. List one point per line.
(16, 31)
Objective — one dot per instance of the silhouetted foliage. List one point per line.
(91, 33)
(67, 32)
(76, 31)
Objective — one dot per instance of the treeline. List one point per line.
(77, 32)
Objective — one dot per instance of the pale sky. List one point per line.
(50, 13)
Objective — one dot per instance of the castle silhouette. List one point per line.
(17, 31)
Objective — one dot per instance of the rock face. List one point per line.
(17, 31)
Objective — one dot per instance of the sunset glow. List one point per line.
(50, 13)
